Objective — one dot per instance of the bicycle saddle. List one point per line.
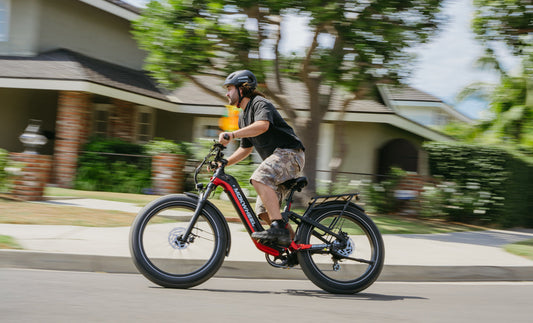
(296, 183)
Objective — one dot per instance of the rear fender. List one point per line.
(216, 211)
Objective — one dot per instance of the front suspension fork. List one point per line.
(202, 199)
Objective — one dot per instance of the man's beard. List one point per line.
(232, 100)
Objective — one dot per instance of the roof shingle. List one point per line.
(64, 64)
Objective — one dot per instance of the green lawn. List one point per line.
(7, 242)
(522, 248)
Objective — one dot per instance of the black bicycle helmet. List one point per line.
(238, 78)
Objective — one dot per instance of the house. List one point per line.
(420, 106)
(74, 65)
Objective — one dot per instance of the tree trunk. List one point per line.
(310, 135)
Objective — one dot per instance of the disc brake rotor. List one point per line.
(348, 250)
(174, 236)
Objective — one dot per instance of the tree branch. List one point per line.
(277, 61)
(201, 85)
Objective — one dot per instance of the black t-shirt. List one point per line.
(278, 135)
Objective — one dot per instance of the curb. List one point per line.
(261, 270)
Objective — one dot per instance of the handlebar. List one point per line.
(214, 157)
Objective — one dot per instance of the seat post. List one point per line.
(288, 201)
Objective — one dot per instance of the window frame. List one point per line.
(140, 109)
(94, 122)
(5, 5)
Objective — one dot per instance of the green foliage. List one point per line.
(380, 195)
(184, 38)
(160, 146)
(8, 169)
(3, 163)
(113, 165)
(508, 21)
(481, 184)
(511, 101)
(241, 171)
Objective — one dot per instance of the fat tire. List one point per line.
(159, 276)
(327, 283)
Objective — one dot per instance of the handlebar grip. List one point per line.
(226, 136)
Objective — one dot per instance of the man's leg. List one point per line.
(269, 198)
(279, 230)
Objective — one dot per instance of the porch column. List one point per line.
(72, 129)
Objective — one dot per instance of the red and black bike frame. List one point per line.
(247, 215)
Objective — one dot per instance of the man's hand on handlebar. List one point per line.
(225, 138)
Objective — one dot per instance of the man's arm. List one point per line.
(253, 130)
(239, 155)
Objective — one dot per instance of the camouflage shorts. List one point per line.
(282, 165)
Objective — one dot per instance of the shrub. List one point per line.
(113, 165)
(160, 146)
(8, 169)
(380, 195)
(3, 173)
(483, 184)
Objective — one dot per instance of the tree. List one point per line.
(355, 44)
(511, 101)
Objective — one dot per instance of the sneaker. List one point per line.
(277, 233)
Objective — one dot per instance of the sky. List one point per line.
(444, 66)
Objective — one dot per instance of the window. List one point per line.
(145, 124)
(5, 6)
(101, 120)
(211, 132)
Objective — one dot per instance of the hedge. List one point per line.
(489, 184)
(113, 165)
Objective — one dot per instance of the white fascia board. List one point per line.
(388, 118)
(112, 9)
(418, 104)
(441, 105)
(84, 86)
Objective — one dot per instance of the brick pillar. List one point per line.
(167, 173)
(72, 129)
(35, 175)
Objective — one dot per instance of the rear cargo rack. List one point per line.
(322, 201)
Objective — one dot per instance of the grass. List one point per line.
(7, 242)
(522, 248)
(137, 199)
(48, 214)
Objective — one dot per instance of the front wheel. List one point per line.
(348, 267)
(160, 255)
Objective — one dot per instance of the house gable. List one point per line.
(419, 106)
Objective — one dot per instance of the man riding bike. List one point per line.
(261, 126)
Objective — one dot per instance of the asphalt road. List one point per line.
(61, 296)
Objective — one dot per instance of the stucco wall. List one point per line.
(364, 141)
(23, 28)
(38, 26)
(82, 28)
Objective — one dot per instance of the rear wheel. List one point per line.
(345, 268)
(162, 257)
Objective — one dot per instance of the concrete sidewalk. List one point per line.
(460, 256)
